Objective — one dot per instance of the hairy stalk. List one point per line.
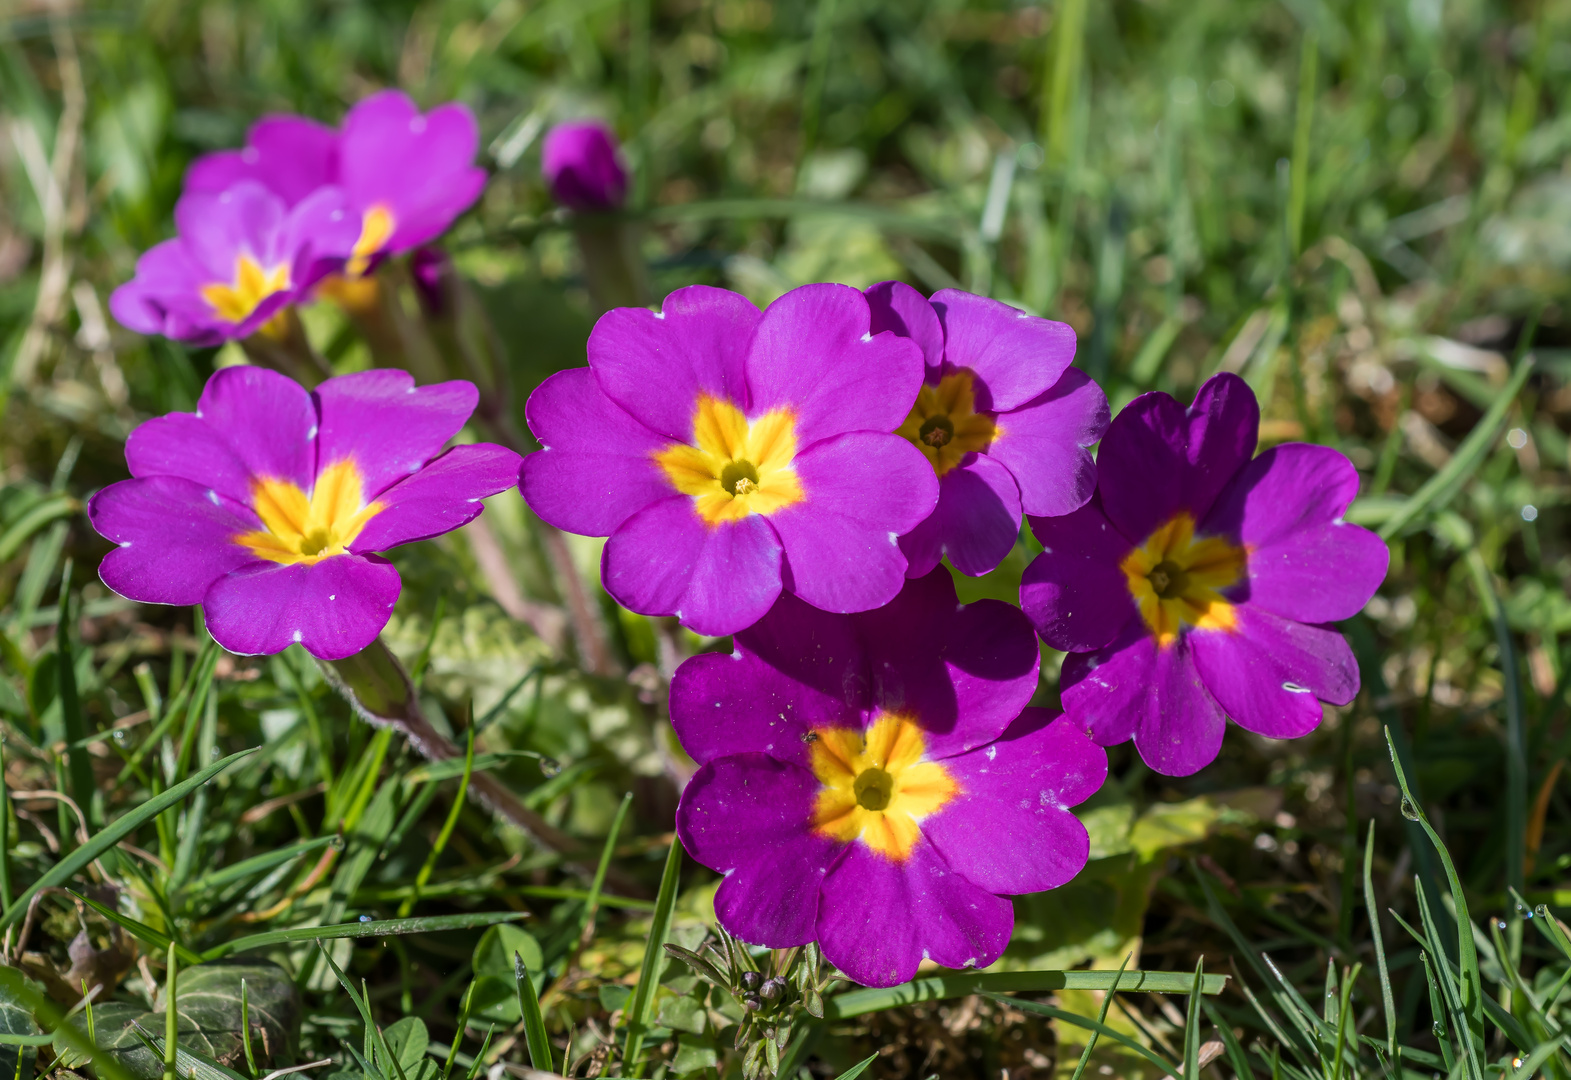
(380, 691)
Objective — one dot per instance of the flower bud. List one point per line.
(751, 980)
(772, 989)
(428, 270)
(582, 166)
(751, 1003)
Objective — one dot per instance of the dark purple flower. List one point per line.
(1200, 584)
(266, 505)
(406, 175)
(1002, 417)
(429, 268)
(240, 255)
(876, 782)
(728, 454)
(582, 166)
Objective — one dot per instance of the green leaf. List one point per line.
(408, 1039)
(693, 1055)
(682, 1014)
(494, 953)
(112, 834)
(16, 1019)
(208, 1018)
(496, 987)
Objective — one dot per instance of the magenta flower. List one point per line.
(289, 155)
(582, 166)
(1200, 584)
(240, 255)
(876, 782)
(730, 454)
(406, 175)
(266, 505)
(1004, 420)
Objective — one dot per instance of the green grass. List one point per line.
(1360, 207)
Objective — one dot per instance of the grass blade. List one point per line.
(858, 1069)
(1471, 988)
(1387, 999)
(592, 905)
(1090, 1025)
(535, 1037)
(643, 1002)
(139, 930)
(1439, 488)
(1192, 1023)
(112, 834)
(938, 987)
(428, 924)
(1101, 1018)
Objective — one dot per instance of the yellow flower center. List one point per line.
(735, 466)
(376, 228)
(877, 788)
(307, 529)
(1176, 579)
(944, 423)
(235, 301)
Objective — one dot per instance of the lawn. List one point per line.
(454, 854)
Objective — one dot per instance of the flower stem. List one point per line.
(380, 691)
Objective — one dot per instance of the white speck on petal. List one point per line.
(1047, 551)
(125, 543)
(332, 596)
(212, 496)
(867, 336)
(659, 314)
(295, 637)
(1294, 688)
(992, 753)
(312, 433)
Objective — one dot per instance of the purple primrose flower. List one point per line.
(1002, 417)
(730, 454)
(1200, 583)
(405, 174)
(266, 505)
(241, 255)
(582, 166)
(876, 782)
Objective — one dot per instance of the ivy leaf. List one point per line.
(208, 1008)
(17, 1019)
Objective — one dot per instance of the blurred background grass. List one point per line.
(1362, 207)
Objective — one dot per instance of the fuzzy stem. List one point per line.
(381, 693)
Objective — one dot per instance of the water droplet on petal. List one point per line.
(550, 767)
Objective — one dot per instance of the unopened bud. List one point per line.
(772, 989)
(751, 980)
(751, 1003)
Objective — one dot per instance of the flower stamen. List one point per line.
(1176, 579)
(944, 423)
(877, 785)
(735, 466)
